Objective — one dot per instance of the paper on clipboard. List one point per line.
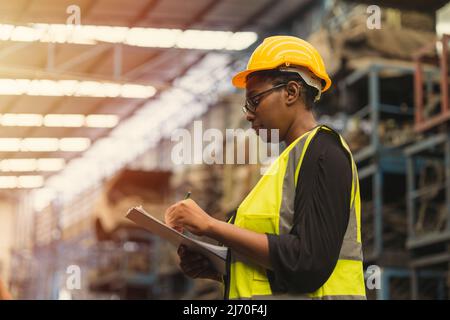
(216, 254)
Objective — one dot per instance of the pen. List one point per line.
(188, 194)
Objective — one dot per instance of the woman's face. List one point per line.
(270, 112)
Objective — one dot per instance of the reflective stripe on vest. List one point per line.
(269, 208)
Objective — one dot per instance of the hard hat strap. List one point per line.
(307, 76)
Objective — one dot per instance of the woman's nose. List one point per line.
(250, 116)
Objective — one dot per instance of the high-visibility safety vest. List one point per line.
(269, 208)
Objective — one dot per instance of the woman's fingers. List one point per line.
(179, 229)
(191, 270)
(172, 221)
(194, 264)
(185, 253)
(168, 215)
(197, 271)
(195, 267)
(194, 261)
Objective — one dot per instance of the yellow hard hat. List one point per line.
(284, 51)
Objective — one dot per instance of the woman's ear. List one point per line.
(293, 92)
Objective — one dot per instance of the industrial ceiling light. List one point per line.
(10, 144)
(39, 144)
(59, 120)
(50, 164)
(30, 181)
(101, 120)
(137, 36)
(23, 165)
(57, 88)
(10, 182)
(22, 119)
(44, 144)
(74, 144)
(64, 120)
(8, 165)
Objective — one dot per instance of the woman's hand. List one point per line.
(187, 214)
(252, 245)
(195, 265)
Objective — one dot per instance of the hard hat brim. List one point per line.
(240, 79)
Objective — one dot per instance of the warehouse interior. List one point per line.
(73, 162)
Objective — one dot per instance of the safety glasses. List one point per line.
(251, 103)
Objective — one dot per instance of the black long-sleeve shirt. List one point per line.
(303, 260)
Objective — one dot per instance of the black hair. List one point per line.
(276, 77)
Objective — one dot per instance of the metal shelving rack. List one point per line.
(429, 249)
(428, 203)
(395, 284)
(376, 160)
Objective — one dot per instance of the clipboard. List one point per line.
(216, 254)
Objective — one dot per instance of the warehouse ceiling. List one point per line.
(417, 5)
(29, 55)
